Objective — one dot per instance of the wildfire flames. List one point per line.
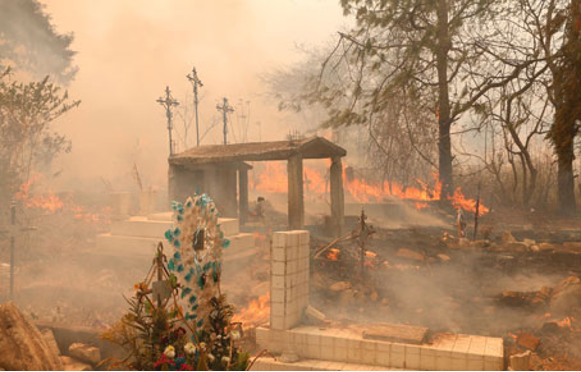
(48, 202)
(333, 254)
(256, 313)
(273, 180)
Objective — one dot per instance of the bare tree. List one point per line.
(438, 52)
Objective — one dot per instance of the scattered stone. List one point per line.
(529, 242)
(517, 247)
(85, 353)
(443, 257)
(566, 296)
(71, 364)
(314, 315)
(463, 243)
(22, 346)
(50, 340)
(507, 238)
(528, 341)
(340, 286)
(546, 246)
(520, 362)
(289, 357)
(572, 245)
(409, 254)
(484, 243)
(373, 296)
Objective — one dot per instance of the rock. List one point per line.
(546, 246)
(373, 296)
(443, 257)
(50, 340)
(340, 286)
(22, 346)
(528, 341)
(520, 362)
(529, 242)
(314, 315)
(463, 243)
(481, 243)
(507, 238)
(85, 353)
(566, 296)
(535, 248)
(71, 364)
(289, 357)
(409, 254)
(517, 247)
(572, 245)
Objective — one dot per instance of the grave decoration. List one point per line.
(178, 318)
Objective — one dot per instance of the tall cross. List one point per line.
(226, 109)
(168, 102)
(193, 78)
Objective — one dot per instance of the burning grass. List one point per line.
(272, 179)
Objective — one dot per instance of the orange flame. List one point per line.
(333, 254)
(273, 180)
(50, 203)
(256, 313)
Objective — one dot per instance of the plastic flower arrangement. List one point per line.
(163, 337)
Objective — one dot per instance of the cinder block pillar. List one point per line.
(296, 204)
(289, 274)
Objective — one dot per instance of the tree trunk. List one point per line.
(566, 83)
(565, 181)
(444, 119)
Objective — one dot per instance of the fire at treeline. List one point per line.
(330, 185)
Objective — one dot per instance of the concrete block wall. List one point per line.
(289, 285)
(451, 353)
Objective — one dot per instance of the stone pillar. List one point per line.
(296, 206)
(243, 198)
(337, 197)
(289, 284)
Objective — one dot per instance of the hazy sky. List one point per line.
(129, 50)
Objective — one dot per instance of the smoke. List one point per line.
(30, 42)
(128, 53)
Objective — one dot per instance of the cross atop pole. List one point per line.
(226, 109)
(193, 78)
(168, 102)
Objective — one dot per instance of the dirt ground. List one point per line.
(521, 283)
(523, 286)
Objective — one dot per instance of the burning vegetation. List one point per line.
(437, 179)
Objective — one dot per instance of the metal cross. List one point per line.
(226, 109)
(168, 103)
(193, 78)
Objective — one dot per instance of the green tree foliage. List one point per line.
(30, 42)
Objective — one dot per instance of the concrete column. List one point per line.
(289, 285)
(171, 183)
(296, 206)
(243, 198)
(337, 197)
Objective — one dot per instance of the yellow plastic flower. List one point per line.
(190, 348)
(170, 352)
